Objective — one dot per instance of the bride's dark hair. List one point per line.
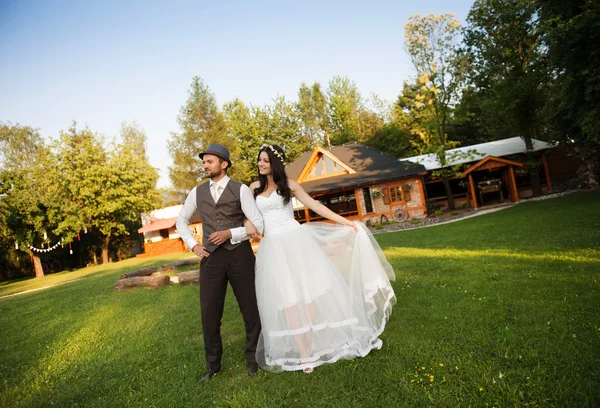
(276, 158)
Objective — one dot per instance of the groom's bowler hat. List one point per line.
(217, 150)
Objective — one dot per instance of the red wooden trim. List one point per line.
(358, 191)
(339, 173)
(336, 160)
(491, 158)
(473, 195)
(514, 184)
(308, 166)
(314, 158)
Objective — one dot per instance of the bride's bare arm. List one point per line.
(316, 206)
(251, 230)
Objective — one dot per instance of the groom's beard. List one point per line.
(209, 174)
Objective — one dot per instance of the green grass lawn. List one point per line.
(497, 310)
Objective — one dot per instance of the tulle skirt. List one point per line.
(324, 294)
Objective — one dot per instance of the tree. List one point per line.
(27, 190)
(246, 127)
(312, 110)
(432, 43)
(103, 191)
(417, 117)
(344, 107)
(572, 35)
(285, 129)
(393, 139)
(134, 190)
(83, 179)
(202, 123)
(503, 43)
(469, 126)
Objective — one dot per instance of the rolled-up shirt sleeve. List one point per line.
(183, 220)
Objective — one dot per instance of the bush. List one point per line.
(378, 225)
(438, 213)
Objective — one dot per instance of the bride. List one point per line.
(323, 290)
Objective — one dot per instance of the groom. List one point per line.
(225, 252)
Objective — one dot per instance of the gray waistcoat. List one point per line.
(224, 214)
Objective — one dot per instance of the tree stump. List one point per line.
(152, 282)
(189, 277)
(140, 272)
(175, 265)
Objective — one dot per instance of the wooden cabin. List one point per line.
(359, 182)
(160, 234)
(493, 172)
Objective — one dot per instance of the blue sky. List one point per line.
(104, 62)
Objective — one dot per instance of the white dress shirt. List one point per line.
(237, 234)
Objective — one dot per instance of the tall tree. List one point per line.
(504, 45)
(469, 126)
(432, 43)
(246, 127)
(133, 189)
(344, 107)
(27, 189)
(202, 123)
(411, 113)
(285, 129)
(103, 191)
(84, 180)
(312, 109)
(393, 139)
(572, 35)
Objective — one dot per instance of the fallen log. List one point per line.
(178, 264)
(140, 272)
(152, 282)
(189, 277)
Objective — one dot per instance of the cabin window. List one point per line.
(395, 194)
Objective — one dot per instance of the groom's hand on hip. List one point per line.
(219, 237)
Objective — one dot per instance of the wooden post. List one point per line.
(515, 192)
(473, 194)
(357, 192)
(547, 172)
(306, 214)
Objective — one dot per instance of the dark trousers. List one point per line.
(237, 268)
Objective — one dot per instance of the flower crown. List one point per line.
(275, 152)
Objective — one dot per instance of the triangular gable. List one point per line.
(322, 164)
(491, 162)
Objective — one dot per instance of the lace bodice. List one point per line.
(278, 217)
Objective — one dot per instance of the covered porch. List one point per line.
(493, 180)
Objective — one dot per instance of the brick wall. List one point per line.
(415, 206)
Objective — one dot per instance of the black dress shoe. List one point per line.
(252, 369)
(209, 374)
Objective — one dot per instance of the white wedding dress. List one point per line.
(323, 290)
